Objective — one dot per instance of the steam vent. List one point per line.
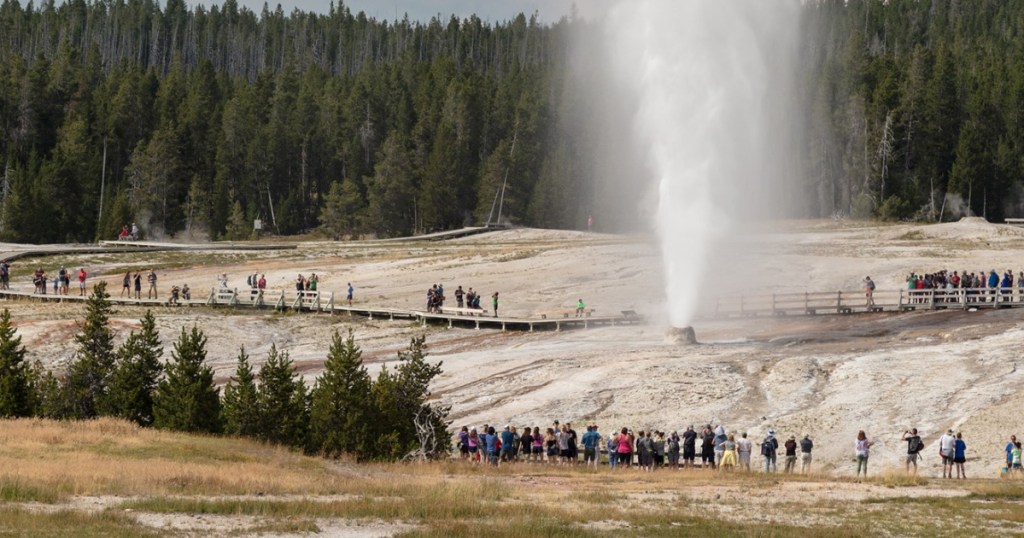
(682, 336)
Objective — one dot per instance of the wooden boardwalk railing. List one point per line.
(850, 302)
(324, 301)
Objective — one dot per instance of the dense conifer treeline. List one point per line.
(910, 100)
(345, 413)
(211, 118)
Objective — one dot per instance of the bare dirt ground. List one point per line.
(827, 376)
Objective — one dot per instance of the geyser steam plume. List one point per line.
(713, 81)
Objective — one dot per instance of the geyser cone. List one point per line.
(681, 335)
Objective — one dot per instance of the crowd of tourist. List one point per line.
(710, 447)
(61, 279)
(463, 299)
(980, 286)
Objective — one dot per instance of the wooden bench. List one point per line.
(463, 311)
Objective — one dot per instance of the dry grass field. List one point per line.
(109, 478)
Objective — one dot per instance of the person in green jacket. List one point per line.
(580, 308)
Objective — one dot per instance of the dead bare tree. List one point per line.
(426, 434)
(885, 147)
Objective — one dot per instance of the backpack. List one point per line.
(871, 285)
(248, 281)
(767, 447)
(915, 445)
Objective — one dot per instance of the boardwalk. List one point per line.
(324, 302)
(852, 302)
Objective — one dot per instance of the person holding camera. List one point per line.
(914, 447)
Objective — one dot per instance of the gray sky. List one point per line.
(423, 10)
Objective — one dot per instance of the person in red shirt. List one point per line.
(81, 281)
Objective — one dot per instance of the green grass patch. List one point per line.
(18, 522)
(15, 489)
(280, 526)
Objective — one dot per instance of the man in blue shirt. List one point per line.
(591, 440)
(491, 445)
(1009, 451)
(508, 444)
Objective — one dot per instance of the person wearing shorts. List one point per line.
(538, 445)
(81, 281)
(947, 448)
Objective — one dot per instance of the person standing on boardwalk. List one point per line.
(138, 285)
(580, 308)
(351, 290)
(862, 450)
(869, 291)
(126, 284)
(914, 448)
(1009, 451)
(5, 275)
(458, 296)
(494, 301)
(151, 292)
(81, 281)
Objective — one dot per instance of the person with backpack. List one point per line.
(612, 446)
(869, 291)
(769, 449)
(673, 450)
(591, 443)
(914, 448)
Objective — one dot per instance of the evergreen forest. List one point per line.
(196, 120)
(344, 413)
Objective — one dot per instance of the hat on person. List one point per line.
(950, 431)
(792, 438)
(771, 432)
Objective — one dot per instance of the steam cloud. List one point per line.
(713, 83)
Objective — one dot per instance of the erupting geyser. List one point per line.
(713, 81)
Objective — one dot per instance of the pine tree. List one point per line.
(136, 375)
(281, 399)
(16, 390)
(89, 375)
(342, 209)
(400, 397)
(186, 398)
(341, 418)
(51, 397)
(240, 409)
